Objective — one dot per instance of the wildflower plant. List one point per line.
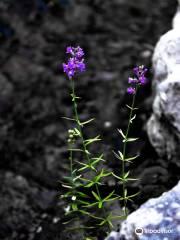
(87, 175)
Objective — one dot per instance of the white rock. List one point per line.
(163, 126)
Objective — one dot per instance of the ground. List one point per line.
(34, 94)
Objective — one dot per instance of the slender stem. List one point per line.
(82, 138)
(71, 159)
(124, 149)
(78, 121)
(103, 210)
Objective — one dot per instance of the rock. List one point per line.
(164, 125)
(158, 218)
(113, 236)
(20, 201)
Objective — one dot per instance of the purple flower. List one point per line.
(131, 90)
(79, 52)
(76, 63)
(132, 80)
(139, 79)
(81, 66)
(69, 50)
(142, 80)
(140, 71)
(71, 63)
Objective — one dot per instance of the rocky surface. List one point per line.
(158, 218)
(164, 124)
(116, 35)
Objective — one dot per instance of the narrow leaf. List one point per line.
(78, 177)
(121, 132)
(88, 121)
(96, 196)
(106, 198)
(132, 179)
(130, 139)
(89, 185)
(131, 107)
(117, 176)
(131, 158)
(75, 150)
(70, 119)
(133, 118)
(100, 204)
(66, 186)
(126, 174)
(121, 155)
(77, 131)
(100, 158)
(89, 141)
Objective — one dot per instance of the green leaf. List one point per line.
(76, 178)
(112, 199)
(71, 220)
(98, 159)
(126, 175)
(68, 178)
(117, 176)
(129, 197)
(131, 158)
(75, 150)
(131, 120)
(132, 179)
(83, 202)
(88, 121)
(92, 140)
(74, 97)
(66, 186)
(96, 196)
(130, 139)
(110, 223)
(87, 152)
(131, 107)
(102, 223)
(77, 131)
(74, 171)
(125, 192)
(119, 155)
(71, 119)
(106, 198)
(83, 168)
(100, 204)
(89, 184)
(122, 134)
(134, 195)
(84, 212)
(86, 180)
(74, 206)
(83, 195)
(81, 163)
(91, 204)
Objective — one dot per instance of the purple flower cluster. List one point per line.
(139, 79)
(75, 63)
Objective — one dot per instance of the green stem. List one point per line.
(71, 159)
(103, 210)
(124, 149)
(82, 136)
(78, 121)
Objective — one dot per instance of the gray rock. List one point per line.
(164, 125)
(20, 201)
(157, 219)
